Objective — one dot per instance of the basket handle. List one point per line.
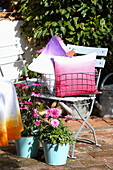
(104, 80)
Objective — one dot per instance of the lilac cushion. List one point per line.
(60, 42)
(43, 63)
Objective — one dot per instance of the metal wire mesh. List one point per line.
(68, 84)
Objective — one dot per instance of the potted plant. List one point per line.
(28, 145)
(55, 137)
(48, 127)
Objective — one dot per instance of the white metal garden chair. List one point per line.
(67, 78)
(11, 61)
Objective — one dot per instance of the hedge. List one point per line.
(81, 22)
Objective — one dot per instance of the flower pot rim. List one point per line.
(55, 143)
(29, 136)
(36, 130)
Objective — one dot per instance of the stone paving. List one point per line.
(88, 157)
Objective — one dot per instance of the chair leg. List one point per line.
(85, 122)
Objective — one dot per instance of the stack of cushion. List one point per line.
(68, 75)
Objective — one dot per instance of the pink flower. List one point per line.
(35, 111)
(48, 112)
(26, 102)
(23, 102)
(29, 103)
(68, 118)
(25, 87)
(55, 112)
(54, 123)
(20, 85)
(24, 107)
(36, 84)
(36, 94)
(16, 84)
(37, 122)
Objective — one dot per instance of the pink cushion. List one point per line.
(76, 75)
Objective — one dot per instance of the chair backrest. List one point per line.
(101, 52)
(11, 61)
(87, 50)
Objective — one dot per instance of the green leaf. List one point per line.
(84, 12)
(72, 33)
(67, 15)
(54, 24)
(51, 31)
(102, 22)
(81, 8)
(29, 18)
(78, 36)
(87, 29)
(60, 22)
(48, 23)
(44, 32)
(62, 11)
(69, 9)
(71, 27)
(63, 29)
(95, 35)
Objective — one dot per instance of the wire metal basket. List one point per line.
(68, 84)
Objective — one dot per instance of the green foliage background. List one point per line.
(81, 22)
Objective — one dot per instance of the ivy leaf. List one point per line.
(77, 26)
(56, 30)
(78, 36)
(48, 23)
(51, 31)
(72, 33)
(60, 22)
(81, 8)
(71, 27)
(84, 12)
(44, 32)
(67, 15)
(62, 11)
(63, 29)
(95, 35)
(69, 39)
(69, 9)
(54, 24)
(102, 22)
(29, 18)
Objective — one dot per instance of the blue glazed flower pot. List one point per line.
(55, 154)
(27, 147)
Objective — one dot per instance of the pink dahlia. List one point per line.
(48, 112)
(55, 113)
(37, 122)
(68, 118)
(54, 123)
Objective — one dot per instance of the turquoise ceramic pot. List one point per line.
(27, 147)
(55, 154)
